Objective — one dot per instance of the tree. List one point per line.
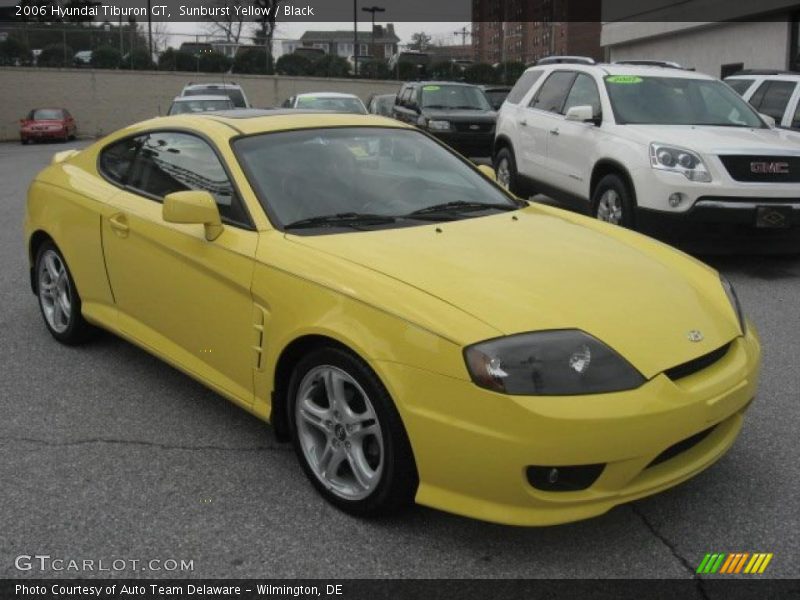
(480, 73)
(14, 52)
(230, 26)
(176, 60)
(106, 57)
(56, 55)
(250, 61)
(420, 42)
(268, 11)
(331, 65)
(138, 60)
(444, 69)
(509, 72)
(294, 65)
(214, 62)
(375, 69)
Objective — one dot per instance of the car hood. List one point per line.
(460, 115)
(721, 140)
(542, 268)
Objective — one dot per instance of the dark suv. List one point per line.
(459, 114)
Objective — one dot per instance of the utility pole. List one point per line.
(463, 32)
(355, 36)
(373, 10)
(150, 29)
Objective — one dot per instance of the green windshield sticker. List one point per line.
(624, 79)
(431, 88)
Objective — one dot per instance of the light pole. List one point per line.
(372, 10)
(355, 36)
(149, 29)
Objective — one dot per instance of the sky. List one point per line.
(441, 32)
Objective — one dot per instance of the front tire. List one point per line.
(612, 202)
(505, 166)
(58, 297)
(348, 435)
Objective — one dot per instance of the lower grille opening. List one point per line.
(680, 447)
(563, 479)
(697, 364)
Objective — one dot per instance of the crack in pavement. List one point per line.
(674, 550)
(89, 441)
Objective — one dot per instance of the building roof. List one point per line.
(382, 36)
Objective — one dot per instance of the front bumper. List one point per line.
(473, 447)
(49, 134)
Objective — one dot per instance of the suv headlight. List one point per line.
(679, 160)
(734, 299)
(439, 125)
(563, 362)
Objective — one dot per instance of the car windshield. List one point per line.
(346, 105)
(234, 94)
(46, 114)
(454, 97)
(677, 101)
(381, 174)
(195, 106)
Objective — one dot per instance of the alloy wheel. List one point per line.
(609, 208)
(503, 173)
(54, 291)
(339, 433)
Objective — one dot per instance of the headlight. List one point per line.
(439, 125)
(734, 299)
(562, 362)
(678, 160)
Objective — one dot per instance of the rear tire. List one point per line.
(613, 202)
(348, 435)
(58, 297)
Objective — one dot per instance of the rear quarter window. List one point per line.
(523, 85)
(740, 86)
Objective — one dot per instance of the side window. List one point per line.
(583, 93)
(174, 162)
(776, 99)
(553, 93)
(117, 159)
(524, 83)
(404, 96)
(740, 86)
(413, 97)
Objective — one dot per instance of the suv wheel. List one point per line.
(506, 168)
(348, 435)
(612, 201)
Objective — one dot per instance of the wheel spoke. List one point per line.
(365, 428)
(53, 269)
(330, 461)
(364, 475)
(315, 415)
(334, 388)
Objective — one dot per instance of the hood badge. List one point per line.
(695, 336)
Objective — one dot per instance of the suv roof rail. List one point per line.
(764, 72)
(667, 64)
(560, 60)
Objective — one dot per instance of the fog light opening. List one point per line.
(675, 199)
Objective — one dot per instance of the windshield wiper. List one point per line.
(450, 208)
(349, 219)
(469, 108)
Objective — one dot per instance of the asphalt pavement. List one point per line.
(108, 453)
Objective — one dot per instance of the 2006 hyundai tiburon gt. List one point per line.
(416, 331)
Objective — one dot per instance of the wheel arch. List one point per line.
(609, 166)
(500, 142)
(35, 242)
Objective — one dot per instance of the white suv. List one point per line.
(655, 148)
(773, 93)
(231, 90)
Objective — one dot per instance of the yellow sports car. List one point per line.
(414, 330)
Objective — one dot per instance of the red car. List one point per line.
(47, 124)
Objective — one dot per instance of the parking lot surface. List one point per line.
(108, 453)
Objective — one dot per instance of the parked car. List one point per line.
(420, 60)
(231, 90)
(83, 58)
(773, 93)
(346, 103)
(196, 104)
(496, 94)
(415, 331)
(659, 149)
(381, 104)
(47, 124)
(459, 114)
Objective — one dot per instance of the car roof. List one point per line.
(618, 69)
(195, 98)
(212, 85)
(326, 95)
(248, 121)
(434, 82)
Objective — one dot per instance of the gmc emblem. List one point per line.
(780, 168)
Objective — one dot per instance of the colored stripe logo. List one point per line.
(735, 563)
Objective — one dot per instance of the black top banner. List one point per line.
(397, 10)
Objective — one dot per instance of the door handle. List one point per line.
(119, 223)
(554, 131)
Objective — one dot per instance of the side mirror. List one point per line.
(768, 120)
(581, 114)
(193, 207)
(488, 171)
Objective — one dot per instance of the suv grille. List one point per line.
(772, 169)
(473, 127)
(697, 364)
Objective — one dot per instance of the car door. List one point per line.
(176, 292)
(569, 149)
(538, 123)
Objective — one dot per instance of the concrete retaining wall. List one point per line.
(104, 100)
